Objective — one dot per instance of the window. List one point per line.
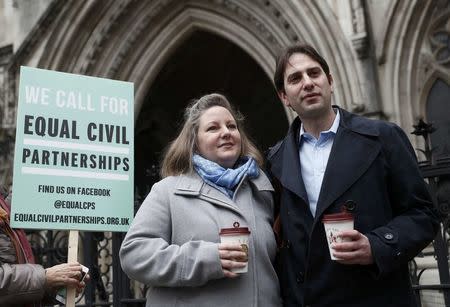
(438, 113)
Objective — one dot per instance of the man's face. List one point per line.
(307, 87)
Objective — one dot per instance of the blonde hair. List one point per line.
(178, 155)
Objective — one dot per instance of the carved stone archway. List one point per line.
(131, 40)
(412, 66)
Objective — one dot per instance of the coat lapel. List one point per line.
(286, 164)
(262, 183)
(351, 155)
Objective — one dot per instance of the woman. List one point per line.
(211, 180)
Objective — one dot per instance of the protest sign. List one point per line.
(74, 159)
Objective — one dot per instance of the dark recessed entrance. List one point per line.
(205, 63)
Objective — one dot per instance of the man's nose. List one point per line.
(307, 82)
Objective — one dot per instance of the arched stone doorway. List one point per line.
(133, 40)
(143, 41)
(202, 64)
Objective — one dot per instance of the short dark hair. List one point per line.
(283, 59)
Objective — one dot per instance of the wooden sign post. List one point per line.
(72, 256)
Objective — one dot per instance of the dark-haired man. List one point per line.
(332, 159)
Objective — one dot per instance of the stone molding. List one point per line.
(272, 24)
(402, 70)
(131, 40)
(7, 100)
(431, 67)
(106, 50)
(360, 38)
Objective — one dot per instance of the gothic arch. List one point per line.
(131, 40)
(408, 58)
(179, 29)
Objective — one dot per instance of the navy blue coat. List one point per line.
(373, 164)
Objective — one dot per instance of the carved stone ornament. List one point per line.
(360, 38)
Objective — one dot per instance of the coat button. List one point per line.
(350, 205)
(388, 236)
(300, 278)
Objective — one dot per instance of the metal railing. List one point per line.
(436, 170)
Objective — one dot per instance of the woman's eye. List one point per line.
(211, 128)
(232, 126)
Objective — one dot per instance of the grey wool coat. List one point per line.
(172, 244)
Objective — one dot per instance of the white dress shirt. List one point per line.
(314, 154)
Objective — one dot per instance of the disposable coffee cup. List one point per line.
(334, 224)
(237, 235)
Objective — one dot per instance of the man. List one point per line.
(332, 159)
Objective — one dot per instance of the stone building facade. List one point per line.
(390, 59)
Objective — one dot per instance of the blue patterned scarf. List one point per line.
(225, 180)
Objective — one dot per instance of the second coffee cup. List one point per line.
(334, 224)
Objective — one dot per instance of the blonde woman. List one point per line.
(212, 178)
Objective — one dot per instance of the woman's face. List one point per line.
(218, 138)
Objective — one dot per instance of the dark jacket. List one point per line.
(373, 164)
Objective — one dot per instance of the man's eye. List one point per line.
(294, 79)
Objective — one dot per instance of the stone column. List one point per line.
(7, 118)
(362, 44)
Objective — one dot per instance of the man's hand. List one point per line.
(356, 251)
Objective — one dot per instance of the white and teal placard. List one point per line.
(74, 158)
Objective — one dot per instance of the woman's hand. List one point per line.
(63, 275)
(231, 257)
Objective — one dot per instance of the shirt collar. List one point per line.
(333, 129)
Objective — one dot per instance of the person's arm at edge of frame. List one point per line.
(32, 283)
(31, 287)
